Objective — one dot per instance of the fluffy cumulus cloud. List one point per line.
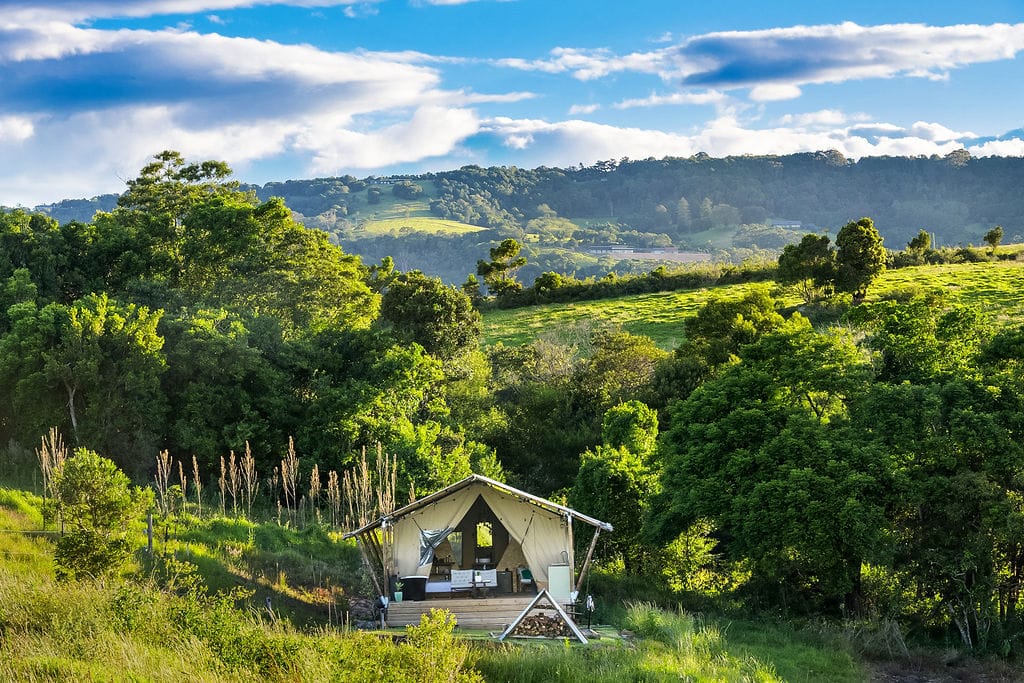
(105, 100)
(571, 142)
(432, 131)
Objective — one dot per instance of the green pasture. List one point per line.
(995, 287)
(659, 316)
(384, 226)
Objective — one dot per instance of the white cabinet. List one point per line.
(560, 582)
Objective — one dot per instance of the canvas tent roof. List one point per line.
(541, 527)
(479, 478)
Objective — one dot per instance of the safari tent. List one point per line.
(477, 532)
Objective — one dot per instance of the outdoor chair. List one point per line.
(526, 578)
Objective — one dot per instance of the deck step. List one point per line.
(487, 613)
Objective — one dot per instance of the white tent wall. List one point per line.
(543, 534)
(444, 513)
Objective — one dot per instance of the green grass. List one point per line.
(673, 646)
(798, 657)
(383, 226)
(393, 214)
(136, 629)
(659, 316)
(993, 286)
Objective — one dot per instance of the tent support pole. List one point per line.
(571, 555)
(369, 564)
(586, 562)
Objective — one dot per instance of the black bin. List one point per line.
(415, 588)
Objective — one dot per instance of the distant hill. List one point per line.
(67, 210)
(731, 207)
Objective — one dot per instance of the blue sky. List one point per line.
(92, 88)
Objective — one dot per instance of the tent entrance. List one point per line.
(478, 541)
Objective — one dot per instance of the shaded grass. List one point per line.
(797, 656)
(994, 287)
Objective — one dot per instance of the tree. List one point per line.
(631, 425)
(765, 451)
(97, 506)
(93, 366)
(860, 258)
(811, 265)
(222, 390)
(424, 310)
(616, 480)
(922, 242)
(922, 340)
(722, 326)
(993, 237)
(169, 187)
(471, 288)
(683, 218)
(620, 368)
(406, 190)
(499, 273)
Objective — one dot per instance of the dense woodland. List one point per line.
(869, 464)
(733, 207)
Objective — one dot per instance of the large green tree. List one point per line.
(765, 451)
(810, 265)
(424, 310)
(92, 367)
(617, 480)
(860, 258)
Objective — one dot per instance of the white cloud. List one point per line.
(774, 91)
(570, 142)
(586, 65)
(775, 63)
(577, 109)
(937, 132)
(15, 128)
(823, 117)
(33, 12)
(1007, 148)
(431, 131)
(655, 100)
(210, 96)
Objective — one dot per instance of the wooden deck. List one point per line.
(493, 612)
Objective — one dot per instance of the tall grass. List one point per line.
(666, 646)
(167, 626)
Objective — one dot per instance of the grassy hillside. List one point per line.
(167, 624)
(995, 287)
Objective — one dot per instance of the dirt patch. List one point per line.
(936, 670)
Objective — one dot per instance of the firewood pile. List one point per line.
(539, 625)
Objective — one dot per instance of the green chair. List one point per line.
(526, 578)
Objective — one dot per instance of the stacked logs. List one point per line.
(540, 625)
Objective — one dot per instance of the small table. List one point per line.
(478, 589)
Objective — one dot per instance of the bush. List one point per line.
(97, 505)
